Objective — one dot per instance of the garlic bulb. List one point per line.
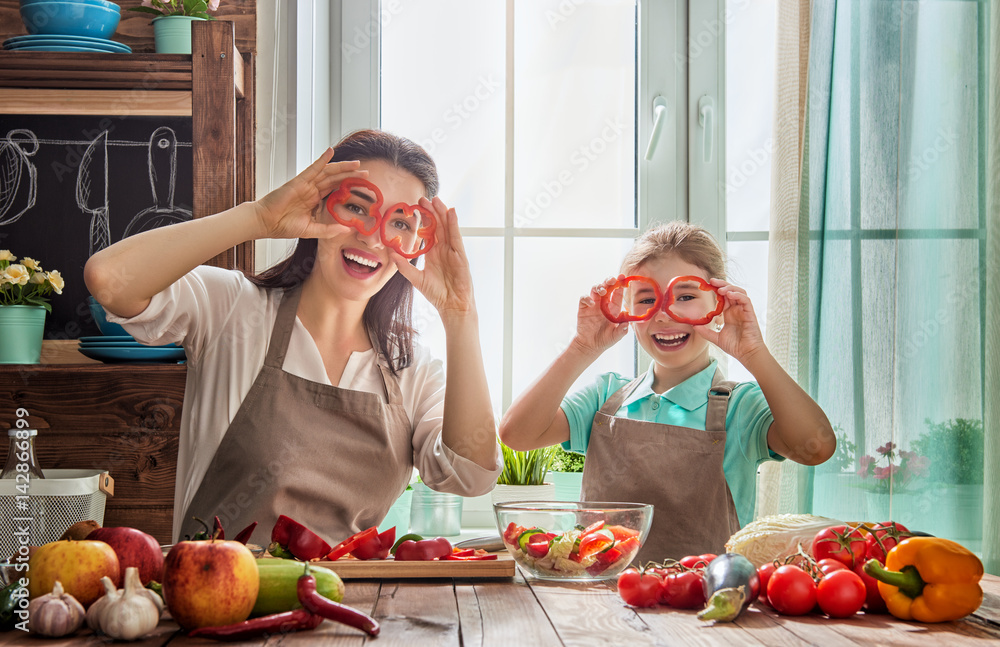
(129, 613)
(55, 614)
(97, 608)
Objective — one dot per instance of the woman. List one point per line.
(305, 395)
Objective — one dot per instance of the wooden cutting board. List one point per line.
(356, 569)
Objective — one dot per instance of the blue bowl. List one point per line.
(99, 3)
(70, 19)
(108, 328)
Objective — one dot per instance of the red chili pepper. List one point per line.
(292, 537)
(702, 285)
(624, 316)
(380, 219)
(424, 550)
(244, 535)
(277, 623)
(314, 602)
(204, 535)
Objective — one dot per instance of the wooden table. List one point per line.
(527, 612)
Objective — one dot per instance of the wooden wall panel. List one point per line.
(136, 29)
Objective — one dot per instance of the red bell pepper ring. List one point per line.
(425, 234)
(343, 194)
(292, 537)
(375, 547)
(626, 316)
(702, 285)
(424, 550)
(469, 558)
(348, 545)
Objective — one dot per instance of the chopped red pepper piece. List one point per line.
(423, 550)
(469, 558)
(374, 546)
(352, 542)
(292, 537)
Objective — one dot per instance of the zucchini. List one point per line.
(731, 584)
(278, 581)
(525, 537)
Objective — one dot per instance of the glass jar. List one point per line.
(21, 450)
(435, 514)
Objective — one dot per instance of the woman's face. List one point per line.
(670, 344)
(354, 265)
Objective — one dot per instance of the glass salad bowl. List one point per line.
(576, 540)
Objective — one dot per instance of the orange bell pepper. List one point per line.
(929, 579)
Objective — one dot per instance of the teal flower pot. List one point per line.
(21, 331)
(172, 34)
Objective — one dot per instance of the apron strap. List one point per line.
(614, 403)
(718, 402)
(283, 324)
(390, 383)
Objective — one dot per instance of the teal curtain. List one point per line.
(896, 192)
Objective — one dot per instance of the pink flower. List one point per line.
(213, 5)
(886, 448)
(918, 466)
(885, 472)
(147, 3)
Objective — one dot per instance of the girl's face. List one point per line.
(351, 263)
(672, 345)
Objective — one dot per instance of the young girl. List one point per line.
(305, 393)
(679, 436)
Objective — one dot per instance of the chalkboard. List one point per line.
(71, 185)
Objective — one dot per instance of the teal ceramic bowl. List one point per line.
(99, 3)
(108, 328)
(70, 19)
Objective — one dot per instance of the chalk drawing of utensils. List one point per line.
(92, 191)
(14, 168)
(162, 177)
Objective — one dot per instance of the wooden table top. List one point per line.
(528, 612)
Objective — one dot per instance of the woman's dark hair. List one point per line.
(388, 314)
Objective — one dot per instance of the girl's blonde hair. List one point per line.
(692, 243)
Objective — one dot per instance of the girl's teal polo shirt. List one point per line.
(685, 405)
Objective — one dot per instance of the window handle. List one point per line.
(706, 114)
(659, 119)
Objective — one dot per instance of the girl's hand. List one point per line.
(740, 335)
(446, 280)
(294, 209)
(594, 332)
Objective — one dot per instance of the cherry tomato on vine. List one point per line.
(683, 590)
(639, 590)
(694, 561)
(764, 573)
(842, 543)
(841, 594)
(791, 591)
(873, 599)
(883, 538)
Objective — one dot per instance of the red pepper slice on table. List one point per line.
(291, 538)
(375, 546)
(348, 545)
(277, 623)
(315, 602)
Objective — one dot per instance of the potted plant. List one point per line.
(523, 475)
(567, 474)
(955, 476)
(172, 25)
(24, 291)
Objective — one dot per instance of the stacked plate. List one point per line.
(119, 349)
(55, 43)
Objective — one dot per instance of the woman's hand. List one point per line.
(446, 280)
(594, 332)
(740, 335)
(295, 209)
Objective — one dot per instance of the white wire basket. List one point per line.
(53, 504)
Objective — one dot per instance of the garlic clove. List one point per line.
(55, 614)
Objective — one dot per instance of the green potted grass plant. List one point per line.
(955, 478)
(524, 475)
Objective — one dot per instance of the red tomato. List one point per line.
(708, 557)
(683, 590)
(791, 591)
(883, 538)
(764, 573)
(841, 594)
(842, 543)
(830, 565)
(693, 561)
(622, 533)
(512, 532)
(595, 542)
(538, 545)
(638, 590)
(873, 599)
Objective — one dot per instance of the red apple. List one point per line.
(134, 548)
(79, 565)
(210, 583)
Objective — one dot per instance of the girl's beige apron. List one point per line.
(331, 458)
(677, 469)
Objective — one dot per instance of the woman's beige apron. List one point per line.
(333, 459)
(677, 469)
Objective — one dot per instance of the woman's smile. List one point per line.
(360, 264)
